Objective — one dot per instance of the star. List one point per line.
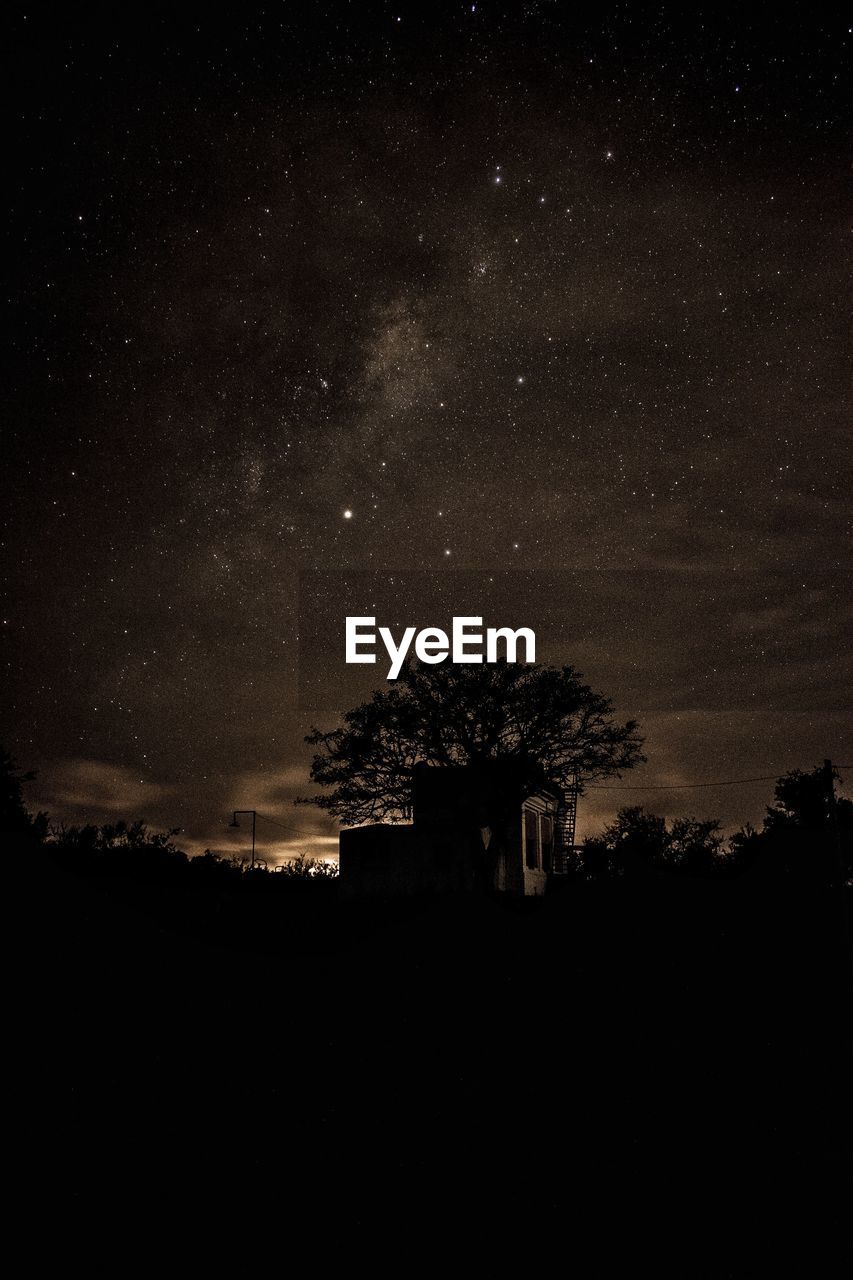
(366, 342)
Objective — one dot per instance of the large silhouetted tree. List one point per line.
(542, 720)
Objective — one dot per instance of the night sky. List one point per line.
(530, 311)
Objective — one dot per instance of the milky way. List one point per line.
(537, 317)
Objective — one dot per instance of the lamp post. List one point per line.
(235, 823)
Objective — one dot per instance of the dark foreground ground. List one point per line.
(630, 1056)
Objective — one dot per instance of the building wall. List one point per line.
(542, 809)
(442, 851)
(510, 867)
(396, 860)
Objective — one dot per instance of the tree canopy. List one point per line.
(543, 719)
(637, 843)
(807, 833)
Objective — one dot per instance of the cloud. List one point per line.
(281, 830)
(97, 787)
(270, 790)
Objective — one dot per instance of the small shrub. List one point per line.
(305, 868)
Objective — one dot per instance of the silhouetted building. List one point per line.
(471, 828)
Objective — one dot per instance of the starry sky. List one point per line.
(537, 312)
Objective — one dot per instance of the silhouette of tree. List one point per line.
(120, 848)
(803, 803)
(637, 843)
(695, 846)
(633, 844)
(213, 867)
(804, 834)
(15, 818)
(542, 719)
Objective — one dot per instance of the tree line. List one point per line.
(804, 837)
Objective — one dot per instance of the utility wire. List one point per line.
(677, 786)
(309, 835)
(687, 786)
(596, 786)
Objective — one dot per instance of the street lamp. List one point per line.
(235, 823)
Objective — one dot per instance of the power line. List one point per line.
(678, 786)
(688, 786)
(309, 835)
(595, 786)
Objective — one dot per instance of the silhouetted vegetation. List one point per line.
(304, 868)
(212, 894)
(15, 820)
(543, 720)
(119, 848)
(640, 844)
(805, 841)
(125, 849)
(807, 835)
(199, 997)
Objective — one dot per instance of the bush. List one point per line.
(305, 868)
